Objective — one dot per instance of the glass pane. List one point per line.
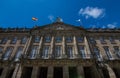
(24, 40)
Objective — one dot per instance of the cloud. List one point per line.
(51, 18)
(114, 25)
(92, 12)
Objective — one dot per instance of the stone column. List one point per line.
(75, 46)
(65, 72)
(13, 53)
(4, 72)
(110, 71)
(15, 71)
(63, 46)
(40, 45)
(19, 72)
(35, 72)
(95, 72)
(80, 72)
(51, 46)
(27, 45)
(50, 72)
(87, 49)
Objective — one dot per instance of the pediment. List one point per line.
(57, 27)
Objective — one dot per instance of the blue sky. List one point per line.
(88, 13)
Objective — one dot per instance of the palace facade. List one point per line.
(59, 50)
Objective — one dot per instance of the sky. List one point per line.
(86, 13)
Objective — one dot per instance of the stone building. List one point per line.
(59, 50)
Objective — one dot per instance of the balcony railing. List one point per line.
(63, 56)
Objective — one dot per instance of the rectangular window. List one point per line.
(92, 40)
(58, 39)
(33, 52)
(102, 40)
(57, 51)
(80, 39)
(97, 53)
(82, 51)
(4, 41)
(24, 40)
(47, 39)
(18, 53)
(69, 39)
(14, 40)
(112, 40)
(70, 51)
(37, 39)
(45, 52)
(117, 51)
(7, 53)
(106, 48)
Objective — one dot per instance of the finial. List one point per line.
(58, 19)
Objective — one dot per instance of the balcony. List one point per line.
(63, 56)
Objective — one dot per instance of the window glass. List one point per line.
(97, 53)
(58, 39)
(69, 39)
(24, 40)
(4, 40)
(80, 39)
(33, 52)
(82, 51)
(45, 51)
(70, 51)
(106, 48)
(92, 40)
(1, 49)
(7, 53)
(37, 39)
(18, 53)
(102, 40)
(57, 51)
(47, 39)
(14, 40)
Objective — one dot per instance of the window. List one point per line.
(80, 39)
(24, 40)
(106, 48)
(92, 40)
(47, 39)
(82, 51)
(102, 40)
(58, 39)
(7, 53)
(112, 40)
(45, 52)
(117, 52)
(18, 53)
(69, 39)
(37, 39)
(70, 51)
(33, 52)
(14, 40)
(97, 53)
(1, 49)
(4, 40)
(58, 51)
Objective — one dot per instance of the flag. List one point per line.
(34, 19)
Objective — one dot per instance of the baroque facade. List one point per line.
(59, 50)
